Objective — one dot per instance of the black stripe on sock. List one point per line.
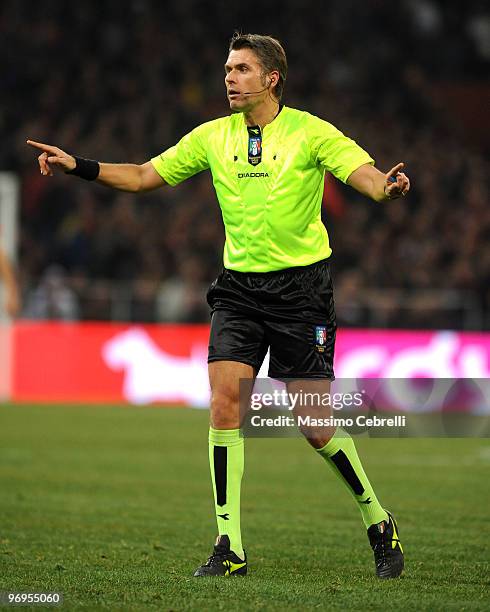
(220, 454)
(344, 466)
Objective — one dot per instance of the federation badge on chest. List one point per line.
(320, 338)
(254, 146)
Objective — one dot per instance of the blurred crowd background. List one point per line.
(123, 81)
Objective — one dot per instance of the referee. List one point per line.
(268, 164)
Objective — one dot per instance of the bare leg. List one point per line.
(312, 391)
(224, 378)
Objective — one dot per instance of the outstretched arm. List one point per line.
(380, 187)
(7, 276)
(125, 177)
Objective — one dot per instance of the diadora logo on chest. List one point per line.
(253, 175)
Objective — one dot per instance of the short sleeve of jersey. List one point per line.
(329, 147)
(186, 158)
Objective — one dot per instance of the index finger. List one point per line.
(394, 171)
(42, 146)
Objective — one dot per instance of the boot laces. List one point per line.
(218, 555)
(380, 549)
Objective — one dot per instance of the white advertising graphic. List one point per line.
(152, 375)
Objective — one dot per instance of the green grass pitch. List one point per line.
(112, 507)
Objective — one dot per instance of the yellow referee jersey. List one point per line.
(269, 183)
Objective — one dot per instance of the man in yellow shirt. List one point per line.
(268, 163)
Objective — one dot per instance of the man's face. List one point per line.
(243, 73)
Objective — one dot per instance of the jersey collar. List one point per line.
(275, 121)
(273, 124)
(270, 127)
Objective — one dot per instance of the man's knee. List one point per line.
(224, 378)
(318, 439)
(225, 410)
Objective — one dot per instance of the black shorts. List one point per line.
(291, 311)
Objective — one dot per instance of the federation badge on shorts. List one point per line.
(320, 338)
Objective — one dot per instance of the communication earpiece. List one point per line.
(253, 93)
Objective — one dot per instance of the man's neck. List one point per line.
(262, 114)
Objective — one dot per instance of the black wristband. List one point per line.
(87, 169)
